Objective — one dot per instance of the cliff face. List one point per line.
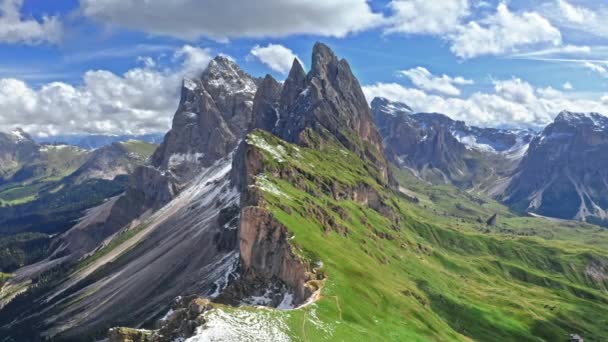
(564, 173)
(214, 114)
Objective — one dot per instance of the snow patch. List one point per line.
(241, 325)
(19, 135)
(278, 152)
(190, 84)
(266, 185)
(47, 148)
(471, 142)
(180, 158)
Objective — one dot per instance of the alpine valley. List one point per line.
(295, 211)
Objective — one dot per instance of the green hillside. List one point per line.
(414, 269)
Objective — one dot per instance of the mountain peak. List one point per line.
(390, 107)
(329, 99)
(322, 58)
(574, 118)
(223, 74)
(19, 135)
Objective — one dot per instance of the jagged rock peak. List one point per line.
(389, 107)
(329, 99)
(266, 104)
(294, 84)
(322, 59)
(224, 74)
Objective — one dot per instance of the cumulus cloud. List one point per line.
(424, 79)
(567, 86)
(424, 16)
(513, 103)
(277, 57)
(142, 100)
(15, 29)
(504, 32)
(193, 19)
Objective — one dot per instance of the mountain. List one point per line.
(16, 148)
(270, 213)
(52, 188)
(94, 141)
(564, 174)
(441, 150)
(113, 160)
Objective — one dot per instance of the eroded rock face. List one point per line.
(266, 253)
(266, 106)
(214, 113)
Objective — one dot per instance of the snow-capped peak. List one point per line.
(19, 135)
(223, 73)
(391, 107)
(595, 119)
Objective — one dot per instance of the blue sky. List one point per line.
(107, 66)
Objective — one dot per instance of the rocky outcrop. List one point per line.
(179, 323)
(266, 257)
(564, 172)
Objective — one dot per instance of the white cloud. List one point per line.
(595, 67)
(590, 18)
(504, 32)
(567, 86)
(142, 100)
(15, 29)
(513, 103)
(195, 59)
(277, 57)
(424, 16)
(576, 14)
(555, 51)
(424, 79)
(193, 19)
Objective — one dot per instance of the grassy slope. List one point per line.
(432, 277)
(140, 149)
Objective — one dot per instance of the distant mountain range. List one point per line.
(93, 141)
(559, 172)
